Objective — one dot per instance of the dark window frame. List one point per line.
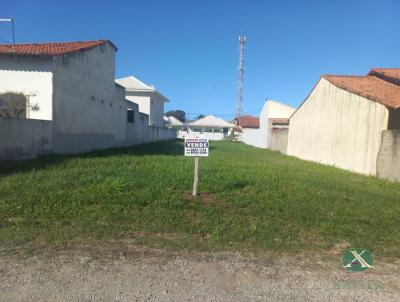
(130, 116)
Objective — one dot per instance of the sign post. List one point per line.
(196, 176)
(196, 146)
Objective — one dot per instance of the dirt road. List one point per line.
(154, 275)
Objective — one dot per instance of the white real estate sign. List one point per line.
(196, 146)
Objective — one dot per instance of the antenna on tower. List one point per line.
(239, 89)
(12, 25)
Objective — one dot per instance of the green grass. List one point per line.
(252, 199)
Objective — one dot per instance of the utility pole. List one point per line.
(12, 24)
(239, 89)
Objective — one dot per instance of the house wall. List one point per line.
(149, 103)
(141, 99)
(279, 139)
(156, 110)
(388, 162)
(135, 130)
(25, 138)
(31, 76)
(338, 128)
(89, 108)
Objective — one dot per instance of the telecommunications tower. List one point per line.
(239, 99)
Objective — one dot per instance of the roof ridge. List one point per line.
(384, 68)
(344, 76)
(52, 48)
(365, 76)
(387, 82)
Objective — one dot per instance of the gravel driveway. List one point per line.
(155, 275)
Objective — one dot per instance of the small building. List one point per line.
(62, 98)
(71, 84)
(173, 122)
(212, 127)
(273, 127)
(341, 121)
(150, 101)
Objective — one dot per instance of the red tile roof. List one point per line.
(391, 75)
(49, 49)
(370, 87)
(248, 121)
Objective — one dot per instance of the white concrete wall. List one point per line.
(338, 128)
(254, 137)
(31, 76)
(88, 105)
(25, 138)
(161, 134)
(261, 137)
(388, 162)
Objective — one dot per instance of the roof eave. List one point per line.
(103, 42)
(165, 99)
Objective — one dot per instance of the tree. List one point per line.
(199, 117)
(178, 114)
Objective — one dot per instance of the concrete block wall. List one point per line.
(81, 143)
(24, 138)
(162, 134)
(388, 161)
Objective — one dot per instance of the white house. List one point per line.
(71, 84)
(341, 121)
(173, 122)
(150, 101)
(273, 120)
(212, 127)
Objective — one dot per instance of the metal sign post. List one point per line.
(196, 175)
(196, 146)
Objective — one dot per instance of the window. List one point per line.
(13, 105)
(131, 116)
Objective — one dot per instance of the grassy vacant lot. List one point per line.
(252, 199)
